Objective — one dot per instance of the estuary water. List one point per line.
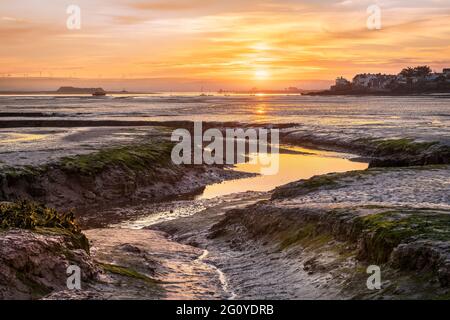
(421, 116)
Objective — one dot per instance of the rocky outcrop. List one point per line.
(34, 263)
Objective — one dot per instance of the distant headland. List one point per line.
(74, 90)
(418, 80)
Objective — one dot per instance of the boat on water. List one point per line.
(99, 93)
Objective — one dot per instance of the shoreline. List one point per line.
(400, 151)
(443, 94)
(218, 229)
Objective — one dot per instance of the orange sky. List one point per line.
(243, 42)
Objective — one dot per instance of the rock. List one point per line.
(34, 264)
(130, 248)
(425, 256)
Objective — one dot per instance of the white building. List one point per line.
(373, 81)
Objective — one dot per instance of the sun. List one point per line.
(262, 74)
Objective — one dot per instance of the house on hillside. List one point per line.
(418, 79)
(341, 84)
(373, 81)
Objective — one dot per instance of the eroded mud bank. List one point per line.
(135, 173)
(380, 151)
(333, 227)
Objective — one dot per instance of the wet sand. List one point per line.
(185, 269)
(181, 270)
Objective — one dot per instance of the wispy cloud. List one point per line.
(292, 39)
(171, 5)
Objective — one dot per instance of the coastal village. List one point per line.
(410, 80)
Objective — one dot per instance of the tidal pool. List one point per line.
(295, 163)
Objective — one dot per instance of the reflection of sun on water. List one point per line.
(261, 109)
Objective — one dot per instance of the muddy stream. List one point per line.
(193, 266)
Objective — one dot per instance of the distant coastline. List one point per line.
(410, 81)
(69, 91)
(376, 94)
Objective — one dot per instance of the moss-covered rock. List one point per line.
(407, 152)
(408, 146)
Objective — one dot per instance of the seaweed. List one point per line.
(41, 219)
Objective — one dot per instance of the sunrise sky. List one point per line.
(233, 42)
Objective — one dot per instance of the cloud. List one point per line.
(225, 39)
(8, 19)
(129, 20)
(345, 3)
(171, 5)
